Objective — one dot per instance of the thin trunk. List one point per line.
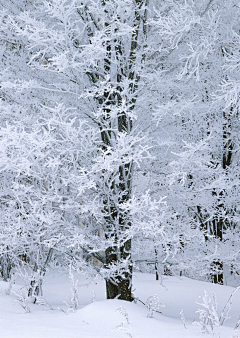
(35, 288)
(5, 267)
(156, 264)
(219, 224)
(217, 277)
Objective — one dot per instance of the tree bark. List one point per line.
(121, 286)
(219, 224)
(120, 188)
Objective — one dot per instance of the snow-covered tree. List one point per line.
(74, 140)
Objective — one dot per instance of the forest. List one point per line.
(119, 141)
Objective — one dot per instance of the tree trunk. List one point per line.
(219, 224)
(121, 286)
(120, 187)
(217, 277)
(35, 287)
(156, 264)
(5, 267)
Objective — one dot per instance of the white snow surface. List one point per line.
(100, 318)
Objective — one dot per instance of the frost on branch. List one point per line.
(124, 326)
(73, 306)
(178, 21)
(208, 314)
(22, 300)
(153, 305)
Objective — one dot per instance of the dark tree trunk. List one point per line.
(156, 264)
(217, 276)
(5, 267)
(121, 286)
(118, 188)
(219, 225)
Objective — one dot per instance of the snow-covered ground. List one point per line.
(115, 318)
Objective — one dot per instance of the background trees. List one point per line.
(203, 137)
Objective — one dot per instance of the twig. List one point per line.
(137, 299)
